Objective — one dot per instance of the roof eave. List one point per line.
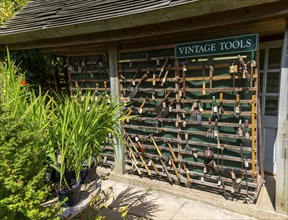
(188, 10)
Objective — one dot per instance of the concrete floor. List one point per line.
(152, 199)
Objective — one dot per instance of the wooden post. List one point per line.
(282, 134)
(115, 94)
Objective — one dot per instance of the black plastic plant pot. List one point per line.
(70, 177)
(72, 195)
(84, 174)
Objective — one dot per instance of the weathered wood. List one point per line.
(282, 133)
(115, 91)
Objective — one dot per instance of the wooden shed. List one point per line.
(207, 81)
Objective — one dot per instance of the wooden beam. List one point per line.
(282, 134)
(115, 94)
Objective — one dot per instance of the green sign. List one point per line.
(217, 46)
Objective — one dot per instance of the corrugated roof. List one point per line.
(43, 14)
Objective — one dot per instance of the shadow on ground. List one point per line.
(129, 204)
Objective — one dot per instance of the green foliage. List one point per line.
(79, 128)
(9, 7)
(23, 143)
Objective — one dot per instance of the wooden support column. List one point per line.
(282, 134)
(115, 94)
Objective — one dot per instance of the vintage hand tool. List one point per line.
(237, 108)
(252, 65)
(140, 156)
(233, 69)
(142, 149)
(161, 159)
(168, 109)
(163, 67)
(184, 70)
(166, 74)
(243, 68)
(134, 161)
(133, 79)
(221, 107)
(246, 136)
(142, 105)
(130, 111)
(172, 152)
(187, 147)
(188, 184)
(192, 111)
(216, 130)
(209, 132)
(253, 133)
(211, 70)
(176, 171)
(159, 108)
(135, 91)
(154, 166)
(214, 108)
(239, 132)
(203, 81)
(208, 155)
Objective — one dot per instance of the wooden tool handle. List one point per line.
(166, 74)
(184, 80)
(156, 146)
(154, 167)
(203, 88)
(105, 84)
(154, 79)
(172, 102)
(163, 67)
(172, 152)
(221, 97)
(145, 165)
(143, 103)
(211, 77)
(166, 97)
(237, 98)
(133, 145)
(175, 169)
(133, 159)
(187, 173)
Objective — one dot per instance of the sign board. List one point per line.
(229, 45)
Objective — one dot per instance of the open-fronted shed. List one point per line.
(130, 48)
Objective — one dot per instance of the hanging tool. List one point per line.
(221, 107)
(187, 147)
(166, 74)
(188, 176)
(233, 69)
(163, 67)
(159, 108)
(253, 133)
(133, 79)
(203, 81)
(135, 91)
(140, 156)
(134, 161)
(237, 108)
(168, 109)
(211, 71)
(154, 166)
(209, 132)
(252, 66)
(172, 152)
(243, 68)
(161, 159)
(142, 105)
(239, 132)
(216, 130)
(214, 108)
(246, 137)
(176, 171)
(184, 70)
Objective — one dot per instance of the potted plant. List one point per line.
(79, 127)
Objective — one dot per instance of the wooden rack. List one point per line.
(232, 153)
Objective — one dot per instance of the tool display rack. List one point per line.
(235, 173)
(91, 73)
